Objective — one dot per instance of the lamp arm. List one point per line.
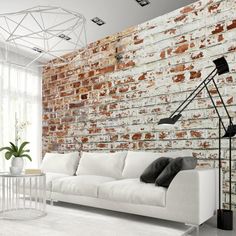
(222, 101)
(188, 100)
(216, 109)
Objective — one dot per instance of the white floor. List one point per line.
(71, 220)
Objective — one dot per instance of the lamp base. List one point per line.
(224, 219)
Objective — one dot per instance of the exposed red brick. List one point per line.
(232, 48)
(84, 139)
(83, 90)
(114, 138)
(197, 56)
(61, 134)
(162, 135)
(213, 91)
(138, 41)
(137, 136)
(85, 82)
(102, 145)
(69, 93)
(67, 119)
(230, 100)
(213, 7)
(125, 136)
(107, 69)
(142, 77)
(45, 130)
(205, 144)
(180, 18)
(229, 79)
(62, 75)
(178, 78)
(105, 47)
(84, 96)
(123, 146)
(178, 68)
(181, 134)
(52, 128)
(124, 89)
(232, 25)
(220, 37)
(76, 84)
(196, 134)
(76, 105)
(195, 74)
(182, 48)
(219, 28)
(181, 40)
(53, 77)
(169, 50)
(98, 86)
(149, 136)
(162, 54)
(187, 9)
(94, 130)
(170, 31)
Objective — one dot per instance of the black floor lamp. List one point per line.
(224, 216)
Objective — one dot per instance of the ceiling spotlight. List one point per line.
(98, 21)
(143, 3)
(63, 36)
(37, 49)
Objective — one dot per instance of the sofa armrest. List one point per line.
(192, 195)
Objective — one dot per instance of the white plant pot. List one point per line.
(17, 163)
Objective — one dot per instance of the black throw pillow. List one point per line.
(154, 169)
(172, 169)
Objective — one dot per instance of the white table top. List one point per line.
(7, 174)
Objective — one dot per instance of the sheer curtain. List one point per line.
(20, 95)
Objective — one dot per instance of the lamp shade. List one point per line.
(169, 120)
(221, 66)
(230, 132)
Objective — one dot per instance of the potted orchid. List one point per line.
(16, 152)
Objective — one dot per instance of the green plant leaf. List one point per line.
(6, 148)
(15, 154)
(14, 147)
(24, 151)
(8, 155)
(28, 156)
(22, 147)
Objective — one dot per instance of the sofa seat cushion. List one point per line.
(49, 178)
(133, 191)
(84, 185)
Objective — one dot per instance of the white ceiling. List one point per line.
(118, 14)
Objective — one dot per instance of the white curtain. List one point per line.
(20, 95)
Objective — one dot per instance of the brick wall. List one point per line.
(111, 105)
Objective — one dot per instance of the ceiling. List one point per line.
(117, 14)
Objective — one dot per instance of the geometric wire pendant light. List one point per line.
(46, 33)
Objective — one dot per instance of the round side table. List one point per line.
(22, 197)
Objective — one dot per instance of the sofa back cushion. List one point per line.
(137, 162)
(60, 163)
(102, 164)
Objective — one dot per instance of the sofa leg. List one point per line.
(191, 229)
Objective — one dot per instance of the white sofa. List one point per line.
(111, 181)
